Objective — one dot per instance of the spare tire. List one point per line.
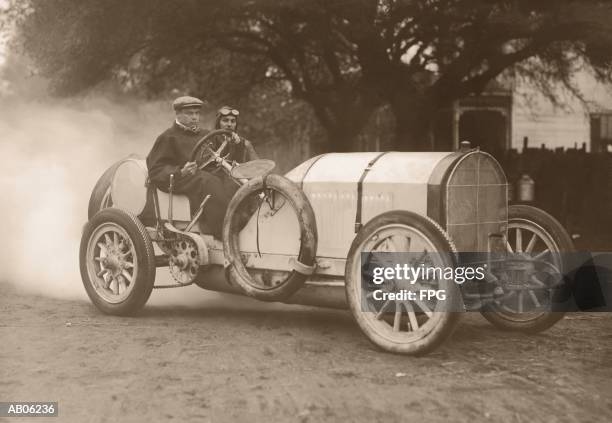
(234, 221)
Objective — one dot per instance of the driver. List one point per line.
(170, 155)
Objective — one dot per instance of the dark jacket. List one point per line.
(240, 153)
(170, 152)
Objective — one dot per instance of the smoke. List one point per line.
(51, 155)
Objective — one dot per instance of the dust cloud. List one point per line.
(51, 155)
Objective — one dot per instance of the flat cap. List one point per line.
(187, 101)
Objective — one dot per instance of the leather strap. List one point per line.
(358, 223)
(310, 167)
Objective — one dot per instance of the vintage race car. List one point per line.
(301, 238)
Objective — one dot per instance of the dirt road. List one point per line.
(227, 358)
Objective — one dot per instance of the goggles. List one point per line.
(226, 111)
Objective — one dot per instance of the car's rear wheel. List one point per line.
(117, 262)
(405, 326)
(538, 242)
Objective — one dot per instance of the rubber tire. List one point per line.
(442, 241)
(100, 189)
(565, 245)
(237, 271)
(145, 257)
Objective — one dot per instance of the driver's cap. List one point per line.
(187, 101)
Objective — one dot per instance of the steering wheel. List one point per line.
(239, 172)
(203, 154)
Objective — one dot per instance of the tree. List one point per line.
(343, 57)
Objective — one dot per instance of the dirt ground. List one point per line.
(227, 358)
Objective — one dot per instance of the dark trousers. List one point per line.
(197, 187)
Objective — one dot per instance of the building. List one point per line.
(513, 112)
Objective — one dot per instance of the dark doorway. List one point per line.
(486, 129)
(443, 130)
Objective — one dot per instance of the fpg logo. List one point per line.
(430, 294)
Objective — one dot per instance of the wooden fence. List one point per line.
(573, 185)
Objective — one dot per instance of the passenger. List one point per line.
(238, 150)
(170, 155)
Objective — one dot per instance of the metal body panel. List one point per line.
(316, 292)
(463, 192)
(331, 187)
(129, 192)
(180, 207)
(272, 230)
(128, 186)
(399, 181)
(396, 181)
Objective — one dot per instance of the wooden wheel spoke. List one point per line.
(114, 286)
(424, 307)
(381, 312)
(504, 300)
(129, 252)
(422, 256)
(107, 280)
(541, 254)
(535, 279)
(122, 286)
(385, 246)
(417, 286)
(127, 276)
(414, 323)
(397, 319)
(531, 243)
(509, 247)
(519, 240)
(534, 298)
(401, 243)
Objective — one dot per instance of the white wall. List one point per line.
(535, 117)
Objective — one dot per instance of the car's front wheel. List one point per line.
(402, 325)
(537, 247)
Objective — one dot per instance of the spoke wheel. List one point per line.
(403, 326)
(117, 262)
(536, 243)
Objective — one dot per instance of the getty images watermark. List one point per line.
(516, 282)
(413, 276)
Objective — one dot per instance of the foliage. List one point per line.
(345, 58)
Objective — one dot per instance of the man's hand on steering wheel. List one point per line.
(236, 138)
(203, 154)
(189, 168)
(212, 156)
